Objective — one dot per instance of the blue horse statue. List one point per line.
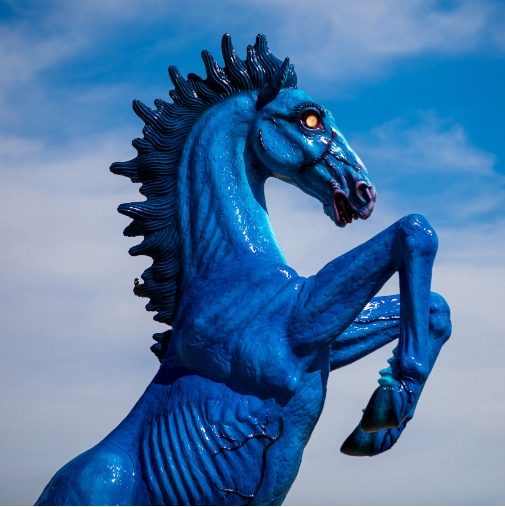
(246, 360)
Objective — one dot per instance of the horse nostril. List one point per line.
(365, 192)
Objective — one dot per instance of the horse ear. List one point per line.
(273, 87)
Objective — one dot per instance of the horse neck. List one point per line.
(223, 215)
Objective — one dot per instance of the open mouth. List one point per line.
(344, 212)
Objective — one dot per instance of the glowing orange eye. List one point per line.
(311, 120)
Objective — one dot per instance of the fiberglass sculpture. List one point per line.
(245, 363)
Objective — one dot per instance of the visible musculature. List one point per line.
(238, 444)
(235, 491)
(244, 364)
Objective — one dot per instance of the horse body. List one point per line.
(193, 441)
(245, 367)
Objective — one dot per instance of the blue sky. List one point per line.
(416, 87)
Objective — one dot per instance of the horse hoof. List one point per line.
(383, 410)
(359, 443)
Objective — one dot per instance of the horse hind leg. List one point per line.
(103, 475)
(363, 443)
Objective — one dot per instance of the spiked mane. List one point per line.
(157, 163)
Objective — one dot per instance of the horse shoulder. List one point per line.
(103, 475)
(234, 324)
(236, 294)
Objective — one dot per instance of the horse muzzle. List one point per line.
(345, 211)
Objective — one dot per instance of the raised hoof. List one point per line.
(383, 410)
(359, 443)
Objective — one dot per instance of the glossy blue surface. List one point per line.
(245, 364)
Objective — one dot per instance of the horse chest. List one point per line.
(235, 330)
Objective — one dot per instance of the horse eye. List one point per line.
(311, 120)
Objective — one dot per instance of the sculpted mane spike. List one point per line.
(157, 162)
(274, 86)
(244, 369)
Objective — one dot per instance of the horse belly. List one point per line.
(213, 445)
(299, 419)
(208, 445)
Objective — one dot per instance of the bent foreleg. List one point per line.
(400, 385)
(332, 299)
(377, 325)
(361, 443)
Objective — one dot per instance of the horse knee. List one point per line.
(418, 235)
(440, 317)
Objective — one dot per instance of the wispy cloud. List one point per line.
(46, 35)
(337, 40)
(441, 171)
(59, 201)
(348, 41)
(428, 144)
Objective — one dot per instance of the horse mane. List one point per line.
(156, 166)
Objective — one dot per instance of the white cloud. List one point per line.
(45, 36)
(69, 321)
(347, 41)
(331, 39)
(60, 205)
(448, 177)
(431, 144)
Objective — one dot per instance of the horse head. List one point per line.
(296, 140)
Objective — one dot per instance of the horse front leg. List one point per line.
(401, 384)
(333, 298)
(376, 326)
